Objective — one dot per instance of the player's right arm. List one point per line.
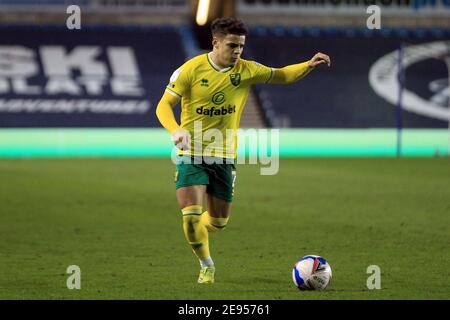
(178, 86)
(164, 112)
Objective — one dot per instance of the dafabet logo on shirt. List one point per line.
(213, 111)
(218, 98)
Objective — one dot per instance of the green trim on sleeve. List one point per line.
(171, 90)
(272, 71)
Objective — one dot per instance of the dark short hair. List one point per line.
(224, 26)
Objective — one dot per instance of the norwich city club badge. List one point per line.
(235, 79)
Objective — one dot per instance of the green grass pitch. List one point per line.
(118, 220)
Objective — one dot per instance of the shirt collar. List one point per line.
(215, 66)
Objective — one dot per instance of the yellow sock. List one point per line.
(213, 224)
(195, 232)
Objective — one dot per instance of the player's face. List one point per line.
(229, 49)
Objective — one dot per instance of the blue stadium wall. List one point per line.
(93, 92)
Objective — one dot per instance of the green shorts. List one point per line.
(218, 177)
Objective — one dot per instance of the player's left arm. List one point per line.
(295, 72)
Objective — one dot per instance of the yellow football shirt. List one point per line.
(212, 101)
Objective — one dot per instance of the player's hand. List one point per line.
(318, 59)
(181, 139)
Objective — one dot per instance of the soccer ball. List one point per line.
(311, 273)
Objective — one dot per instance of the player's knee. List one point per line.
(217, 224)
(191, 221)
(191, 216)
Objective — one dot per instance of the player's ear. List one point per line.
(215, 41)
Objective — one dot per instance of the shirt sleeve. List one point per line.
(260, 73)
(179, 82)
